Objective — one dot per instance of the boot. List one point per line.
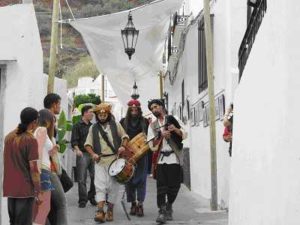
(169, 212)
(133, 209)
(109, 213)
(161, 218)
(140, 210)
(100, 214)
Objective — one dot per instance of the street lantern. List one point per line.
(253, 3)
(135, 93)
(129, 36)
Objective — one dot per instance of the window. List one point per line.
(182, 93)
(166, 100)
(202, 68)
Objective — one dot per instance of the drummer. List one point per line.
(104, 140)
(134, 123)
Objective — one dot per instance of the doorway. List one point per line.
(2, 88)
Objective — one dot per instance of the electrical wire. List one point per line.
(70, 9)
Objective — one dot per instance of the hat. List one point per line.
(103, 107)
(134, 103)
(155, 101)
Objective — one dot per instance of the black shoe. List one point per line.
(93, 202)
(82, 205)
(169, 212)
(161, 218)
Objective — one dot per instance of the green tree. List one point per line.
(89, 98)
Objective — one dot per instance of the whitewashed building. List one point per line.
(264, 185)
(186, 90)
(22, 81)
(256, 61)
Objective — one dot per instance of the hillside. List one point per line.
(73, 58)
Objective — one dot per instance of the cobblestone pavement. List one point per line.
(188, 209)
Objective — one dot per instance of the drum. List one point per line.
(138, 146)
(121, 170)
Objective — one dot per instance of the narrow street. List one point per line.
(188, 209)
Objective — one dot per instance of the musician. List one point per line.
(104, 140)
(134, 123)
(166, 133)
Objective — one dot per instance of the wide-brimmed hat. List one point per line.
(102, 107)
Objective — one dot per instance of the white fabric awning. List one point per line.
(102, 36)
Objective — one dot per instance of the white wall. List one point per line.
(25, 83)
(199, 140)
(19, 40)
(265, 184)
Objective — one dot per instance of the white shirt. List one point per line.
(48, 145)
(172, 158)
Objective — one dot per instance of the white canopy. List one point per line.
(102, 36)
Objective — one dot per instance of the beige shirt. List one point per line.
(105, 149)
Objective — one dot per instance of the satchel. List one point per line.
(65, 180)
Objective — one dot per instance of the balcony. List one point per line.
(249, 37)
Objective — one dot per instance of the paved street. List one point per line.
(188, 209)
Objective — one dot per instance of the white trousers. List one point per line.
(105, 185)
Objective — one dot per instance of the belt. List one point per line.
(168, 153)
(107, 155)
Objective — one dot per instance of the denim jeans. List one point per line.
(58, 212)
(20, 211)
(84, 164)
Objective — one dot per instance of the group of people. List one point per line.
(30, 157)
(98, 145)
(32, 168)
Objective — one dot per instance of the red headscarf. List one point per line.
(134, 103)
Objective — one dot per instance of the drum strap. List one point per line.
(117, 140)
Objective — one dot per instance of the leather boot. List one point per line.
(140, 210)
(161, 218)
(100, 214)
(110, 213)
(133, 209)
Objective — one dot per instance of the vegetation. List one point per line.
(90, 98)
(63, 126)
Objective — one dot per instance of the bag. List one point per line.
(66, 181)
(227, 134)
(154, 163)
(181, 174)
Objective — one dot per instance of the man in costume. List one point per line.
(103, 142)
(134, 123)
(166, 134)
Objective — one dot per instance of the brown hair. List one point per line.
(45, 116)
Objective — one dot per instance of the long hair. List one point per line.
(128, 116)
(27, 116)
(46, 119)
